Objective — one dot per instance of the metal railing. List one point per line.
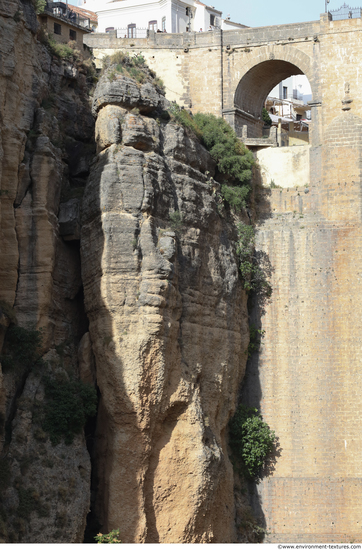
(345, 12)
(131, 32)
(64, 12)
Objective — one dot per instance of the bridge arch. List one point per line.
(252, 80)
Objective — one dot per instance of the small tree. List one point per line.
(266, 118)
(253, 276)
(251, 440)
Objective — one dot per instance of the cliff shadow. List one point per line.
(251, 391)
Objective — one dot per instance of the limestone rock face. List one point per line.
(43, 120)
(168, 323)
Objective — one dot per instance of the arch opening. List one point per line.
(252, 92)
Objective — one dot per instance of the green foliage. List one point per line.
(256, 334)
(39, 5)
(21, 349)
(176, 220)
(273, 185)
(110, 538)
(158, 83)
(62, 51)
(17, 16)
(235, 196)
(266, 118)
(252, 274)
(69, 403)
(138, 59)
(230, 154)
(251, 440)
(185, 119)
(133, 67)
(225, 147)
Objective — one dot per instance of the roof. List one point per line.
(87, 14)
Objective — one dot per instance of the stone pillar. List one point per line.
(279, 133)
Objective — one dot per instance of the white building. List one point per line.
(129, 16)
(295, 87)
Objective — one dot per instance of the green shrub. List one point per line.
(266, 118)
(69, 403)
(62, 51)
(176, 220)
(256, 334)
(158, 83)
(231, 156)
(250, 439)
(253, 276)
(185, 119)
(110, 538)
(39, 5)
(21, 349)
(138, 59)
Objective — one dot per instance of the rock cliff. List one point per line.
(168, 322)
(44, 119)
(161, 326)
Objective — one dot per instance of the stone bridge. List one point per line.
(230, 73)
(307, 378)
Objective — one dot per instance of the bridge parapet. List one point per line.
(242, 37)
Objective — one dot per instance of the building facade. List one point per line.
(173, 16)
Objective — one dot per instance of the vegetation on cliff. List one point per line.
(69, 403)
(251, 440)
(234, 160)
(122, 64)
(253, 273)
(110, 538)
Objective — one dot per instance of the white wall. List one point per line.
(299, 82)
(285, 166)
(179, 18)
(140, 12)
(122, 13)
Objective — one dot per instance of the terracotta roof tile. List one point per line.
(87, 14)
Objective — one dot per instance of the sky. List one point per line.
(260, 13)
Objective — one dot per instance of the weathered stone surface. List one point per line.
(125, 92)
(168, 322)
(109, 126)
(87, 368)
(69, 220)
(58, 476)
(40, 279)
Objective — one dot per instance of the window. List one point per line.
(212, 20)
(285, 92)
(57, 28)
(152, 25)
(108, 29)
(131, 30)
(188, 12)
(72, 35)
(163, 24)
(299, 117)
